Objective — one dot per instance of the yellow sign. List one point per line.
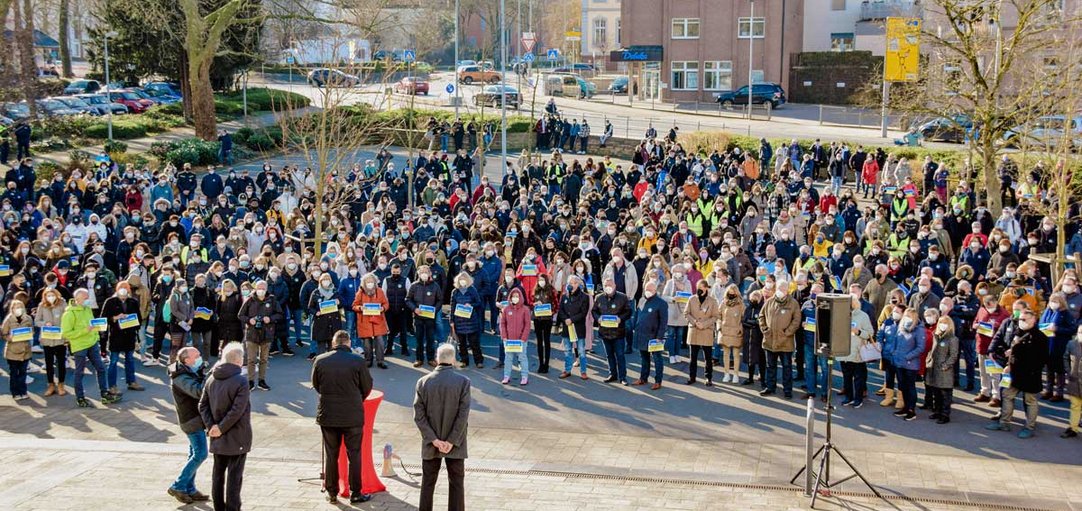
(902, 59)
(573, 33)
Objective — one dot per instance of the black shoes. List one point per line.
(263, 385)
(288, 353)
(381, 365)
(359, 498)
(610, 379)
(331, 498)
(943, 419)
(251, 385)
(767, 392)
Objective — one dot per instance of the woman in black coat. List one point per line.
(230, 328)
(753, 339)
(324, 326)
(203, 329)
(121, 340)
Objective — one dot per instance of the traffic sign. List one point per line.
(528, 57)
(289, 59)
(450, 88)
(553, 54)
(528, 41)
(409, 56)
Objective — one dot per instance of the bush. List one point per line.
(190, 150)
(129, 159)
(259, 100)
(115, 147)
(123, 129)
(170, 109)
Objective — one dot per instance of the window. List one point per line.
(600, 32)
(685, 75)
(837, 5)
(685, 28)
(618, 43)
(757, 76)
(748, 28)
(718, 75)
(841, 42)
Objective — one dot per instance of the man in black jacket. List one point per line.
(425, 300)
(342, 380)
(188, 376)
(226, 408)
(441, 410)
(395, 288)
(574, 307)
(611, 311)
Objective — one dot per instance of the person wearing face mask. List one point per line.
(260, 313)
(924, 298)
(347, 292)
(779, 321)
(325, 308)
(678, 292)
(371, 306)
(48, 314)
(163, 289)
(611, 311)
(544, 297)
(651, 324)
(397, 314)
(705, 317)
(515, 326)
(187, 377)
(182, 312)
(816, 370)
(907, 351)
(17, 351)
(940, 363)
(487, 282)
(228, 326)
(1059, 325)
(83, 339)
(1027, 355)
(753, 339)
(573, 312)
(466, 320)
(425, 293)
(121, 338)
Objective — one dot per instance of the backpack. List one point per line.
(167, 312)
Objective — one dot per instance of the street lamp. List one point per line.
(454, 74)
(751, 46)
(108, 35)
(503, 89)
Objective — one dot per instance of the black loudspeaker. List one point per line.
(833, 320)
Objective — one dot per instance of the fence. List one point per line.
(857, 117)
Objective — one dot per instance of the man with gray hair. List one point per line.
(441, 410)
(187, 375)
(227, 413)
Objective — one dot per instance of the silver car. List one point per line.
(75, 103)
(102, 101)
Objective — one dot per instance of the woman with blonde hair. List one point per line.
(730, 325)
(940, 363)
(702, 316)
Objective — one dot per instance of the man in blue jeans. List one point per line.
(188, 376)
(83, 338)
(815, 367)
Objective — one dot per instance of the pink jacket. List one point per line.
(515, 319)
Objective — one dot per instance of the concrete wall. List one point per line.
(834, 77)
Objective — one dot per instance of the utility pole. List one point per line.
(454, 78)
(503, 88)
(108, 35)
(751, 46)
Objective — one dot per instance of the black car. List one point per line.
(324, 77)
(761, 93)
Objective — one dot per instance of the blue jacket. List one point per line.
(886, 338)
(469, 296)
(161, 192)
(651, 322)
(347, 289)
(488, 279)
(978, 260)
(212, 185)
(908, 348)
(808, 312)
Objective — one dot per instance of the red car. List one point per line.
(412, 85)
(135, 104)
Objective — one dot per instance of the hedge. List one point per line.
(259, 100)
(123, 129)
(190, 150)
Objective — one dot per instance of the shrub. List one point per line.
(170, 109)
(115, 147)
(259, 100)
(130, 159)
(122, 129)
(190, 150)
(45, 171)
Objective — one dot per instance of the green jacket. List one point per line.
(73, 327)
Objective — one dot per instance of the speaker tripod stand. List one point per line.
(823, 483)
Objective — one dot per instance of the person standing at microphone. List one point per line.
(342, 380)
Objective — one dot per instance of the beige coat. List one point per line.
(50, 316)
(780, 320)
(730, 319)
(15, 350)
(701, 318)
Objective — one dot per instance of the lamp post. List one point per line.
(108, 35)
(751, 46)
(454, 75)
(503, 88)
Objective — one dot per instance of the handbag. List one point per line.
(870, 351)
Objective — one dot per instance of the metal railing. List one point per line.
(855, 116)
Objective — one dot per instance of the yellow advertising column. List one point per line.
(901, 62)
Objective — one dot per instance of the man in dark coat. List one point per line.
(225, 407)
(1026, 359)
(651, 323)
(441, 410)
(612, 309)
(22, 140)
(188, 376)
(574, 307)
(342, 380)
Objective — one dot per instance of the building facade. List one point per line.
(847, 25)
(702, 47)
(600, 30)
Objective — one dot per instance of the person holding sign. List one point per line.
(704, 315)
(651, 323)
(122, 335)
(17, 330)
(574, 308)
(260, 312)
(370, 304)
(425, 299)
(677, 291)
(1027, 355)
(47, 319)
(325, 308)
(544, 312)
(611, 310)
(466, 307)
(780, 321)
(182, 312)
(203, 325)
(988, 320)
(83, 339)
(529, 271)
(514, 333)
(1059, 325)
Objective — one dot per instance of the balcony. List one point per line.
(883, 9)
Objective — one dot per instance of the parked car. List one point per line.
(569, 85)
(159, 89)
(761, 93)
(17, 111)
(580, 68)
(492, 95)
(471, 74)
(53, 108)
(946, 129)
(135, 104)
(82, 87)
(103, 103)
(1047, 132)
(324, 77)
(412, 85)
(157, 100)
(618, 86)
(78, 104)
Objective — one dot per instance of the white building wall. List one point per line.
(607, 10)
(823, 18)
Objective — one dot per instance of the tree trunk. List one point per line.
(185, 87)
(202, 102)
(24, 30)
(65, 42)
(988, 152)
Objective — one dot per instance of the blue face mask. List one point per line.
(197, 364)
(167, 278)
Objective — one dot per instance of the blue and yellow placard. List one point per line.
(529, 270)
(99, 324)
(129, 321)
(51, 333)
(328, 307)
(371, 309)
(543, 310)
(426, 311)
(809, 324)
(655, 345)
(512, 346)
(610, 321)
(464, 310)
(203, 313)
(5, 270)
(22, 334)
(985, 328)
(682, 297)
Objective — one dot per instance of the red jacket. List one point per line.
(371, 326)
(530, 281)
(995, 318)
(515, 318)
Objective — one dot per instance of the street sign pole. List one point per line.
(503, 89)
(454, 74)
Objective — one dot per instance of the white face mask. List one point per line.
(779, 294)
(369, 285)
(941, 328)
(515, 299)
(648, 294)
(123, 293)
(609, 290)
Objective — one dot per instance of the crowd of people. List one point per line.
(683, 254)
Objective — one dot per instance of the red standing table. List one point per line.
(370, 482)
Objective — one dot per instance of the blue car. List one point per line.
(761, 93)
